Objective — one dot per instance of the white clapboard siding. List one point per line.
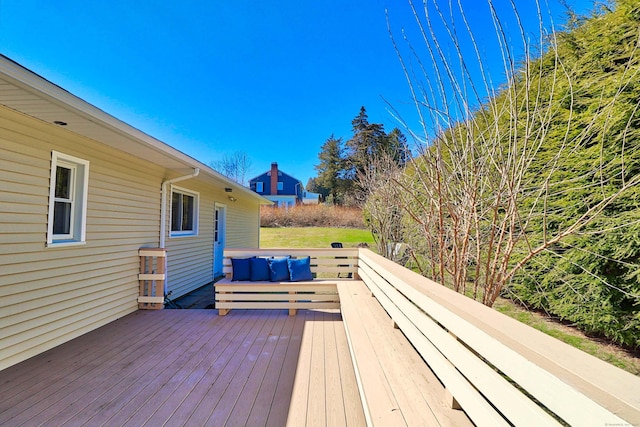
(243, 224)
(51, 295)
(190, 258)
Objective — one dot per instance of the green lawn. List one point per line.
(313, 237)
(572, 336)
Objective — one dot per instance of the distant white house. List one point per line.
(80, 193)
(309, 198)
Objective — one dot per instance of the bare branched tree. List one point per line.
(235, 166)
(482, 198)
(382, 211)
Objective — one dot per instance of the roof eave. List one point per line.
(41, 87)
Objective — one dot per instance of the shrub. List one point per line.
(312, 216)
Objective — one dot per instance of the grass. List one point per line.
(602, 350)
(313, 237)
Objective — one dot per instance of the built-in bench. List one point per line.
(396, 387)
(328, 266)
(498, 370)
(425, 355)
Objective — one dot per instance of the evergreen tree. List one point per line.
(312, 186)
(593, 278)
(398, 148)
(368, 140)
(534, 194)
(330, 180)
(343, 165)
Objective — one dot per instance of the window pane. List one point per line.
(176, 211)
(216, 225)
(63, 182)
(187, 212)
(62, 218)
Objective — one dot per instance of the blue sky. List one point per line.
(271, 79)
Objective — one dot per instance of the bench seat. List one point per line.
(316, 294)
(328, 266)
(396, 386)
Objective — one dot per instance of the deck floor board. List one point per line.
(38, 382)
(190, 367)
(66, 383)
(317, 402)
(265, 392)
(147, 394)
(183, 378)
(85, 401)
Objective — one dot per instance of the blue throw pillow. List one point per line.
(278, 270)
(300, 269)
(241, 269)
(260, 270)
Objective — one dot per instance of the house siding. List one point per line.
(51, 295)
(190, 258)
(243, 225)
(290, 194)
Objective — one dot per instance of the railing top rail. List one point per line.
(313, 252)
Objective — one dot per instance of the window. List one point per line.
(259, 187)
(280, 186)
(67, 200)
(184, 213)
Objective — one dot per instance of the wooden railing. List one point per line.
(496, 369)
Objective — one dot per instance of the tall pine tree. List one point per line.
(330, 180)
(368, 140)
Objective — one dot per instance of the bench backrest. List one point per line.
(338, 263)
(523, 377)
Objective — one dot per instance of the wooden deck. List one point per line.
(191, 367)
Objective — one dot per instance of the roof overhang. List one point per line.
(27, 92)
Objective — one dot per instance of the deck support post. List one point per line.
(223, 311)
(451, 401)
(292, 311)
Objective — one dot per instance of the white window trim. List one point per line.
(196, 207)
(79, 196)
(259, 187)
(280, 186)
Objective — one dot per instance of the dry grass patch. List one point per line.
(312, 216)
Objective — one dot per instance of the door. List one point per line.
(219, 237)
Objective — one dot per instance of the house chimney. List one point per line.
(274, 179)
